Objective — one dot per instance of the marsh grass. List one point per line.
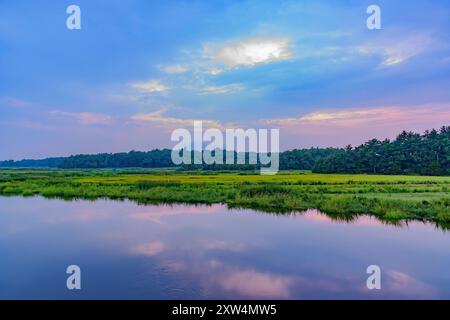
(390, 198)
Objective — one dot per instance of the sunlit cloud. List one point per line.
(85, 118)
(175, 69)
(151, 86)
(250, 52)
(225, 89)
(397, 52)
(215, 71)
(158, 118)
(352, 117)
(355, 126)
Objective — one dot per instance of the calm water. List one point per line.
(186, 252)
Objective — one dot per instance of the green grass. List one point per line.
(390, 198)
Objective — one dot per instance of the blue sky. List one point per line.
(138, 69)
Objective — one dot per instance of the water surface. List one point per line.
(129, 251)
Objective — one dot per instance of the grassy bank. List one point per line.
(388, 197)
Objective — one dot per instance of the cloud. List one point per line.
(355, 126)
(14, 102)
(250, 52)
(158, 118)
(215, 71)
(380, 115)
(225, 89)
(150, 86)
(175, 69)
(397, 52)
(86, 118)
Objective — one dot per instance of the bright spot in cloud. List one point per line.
(250, 52)
(215, 71)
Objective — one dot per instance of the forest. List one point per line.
(409, 154)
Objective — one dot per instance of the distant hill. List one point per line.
(409, 153)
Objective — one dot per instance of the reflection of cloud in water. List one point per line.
(225, 246)
(149, 249)
(156, 213)
(82, 214)
(401, 283)
(256, 284)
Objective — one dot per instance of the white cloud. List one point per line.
(150, 86)
(86, 118)
(250, 52)
(175, 69)
(229, 88)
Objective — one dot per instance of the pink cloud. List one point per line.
(86, 118)
(355, 126)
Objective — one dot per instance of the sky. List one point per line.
(137, 70)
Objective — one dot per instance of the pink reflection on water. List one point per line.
(155, 214)
(257, 284)
(403, 283)
(149, 249)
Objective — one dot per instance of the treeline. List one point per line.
(151, 159)
(295, 160)
(28, 163)
(409, 153)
